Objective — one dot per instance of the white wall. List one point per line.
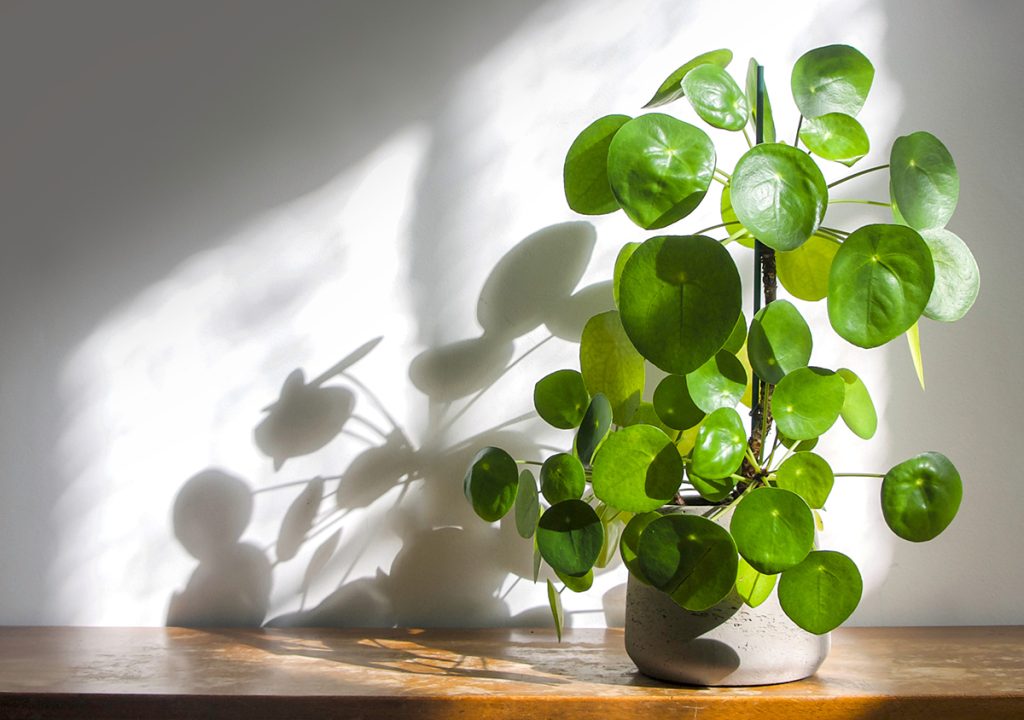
(199, 198)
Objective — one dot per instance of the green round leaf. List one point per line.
(660, 169)
(920, 496)
(585, 173)
(923, 180)
(752, 586)
(527, 505)
(835, 78)
(779, 195)
(957, 278)
(732, 224)
(561, 398)
(718, 383)
(595, 425)
(713, 490)
(858, 409)
(646, 415)
(715, 97)
(577, 584)
(689, 557)
(629, 545)
(562, 478)
(721, 445)
(808, 475)
(491, 483)
(674, 405)
(773, 529)
(625, 253)
(671, 89)
(679, 299)
(880, 282)
(569, 537)
(804, 271)
(821, 592)
(611, 365)
(835, 136)
(769, 122)
(779, 341)
(638, 469)
(807, 402)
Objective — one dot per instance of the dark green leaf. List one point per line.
(629, 545)
(858, 409)
(923, 180)
(804, 271)
(807, 402)
(611, 366)
(674, 405)
(594, 427)
(715, 97)
(921, 496)
(779, 195)
(718, 383)
(491, 483)
(880, 282)
(779, 341)
(660, 169)
(671, 89)
(680, 298)
(721, 445)
(836, 136)
(957, 278)
(527, 505)
(569, 536)
(808, 475)
(562, 478)
(738, 336)
(835, 78)
(638, 469)
(713, 490)
(561, 398)
(585, 174)
(769, 122)
(689, 557)
(821, 592)
(773, 529)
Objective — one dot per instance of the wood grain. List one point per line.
(904, 673)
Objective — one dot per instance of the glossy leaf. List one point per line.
(562, 478)
(555, 605)
(637, 469)
(769, 121)
(611, 365)
(921, 496)
(491, 483)
(527, 505)
(713, 490)
(835, 136)
(671, 89)
(718, 383)
(577, 584)
(596, 423)
(779, 195)
(834, 78)
(585, 173)
(779, 341)
(679, 300)
(721, 444)
(773, 529)
(625, 253)
(807, 402)
(660, 169)
(732, 223)
(629, 545)
(923, 180)
(569, 536)
(914, 343)
(691, 558)
(561, 398)
(715, 97)
(804, 271)
(808, 475)
(820, 593)
(957, 278)
(752, 586)
(880, 282)
(674, 405)
(858, 409)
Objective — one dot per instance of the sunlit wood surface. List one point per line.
(904, 673)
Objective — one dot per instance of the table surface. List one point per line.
(901, 673)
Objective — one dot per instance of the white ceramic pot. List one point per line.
(729, 644)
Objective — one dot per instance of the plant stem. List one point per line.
(529, 462)
(711, 227)
(746, 136)
(799, 124)
(860, 202)
(718, 179)
(858, 174)
(723, 173)
(752, 460)
(835, 231)
(735, 236)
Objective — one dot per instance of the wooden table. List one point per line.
(904, 673)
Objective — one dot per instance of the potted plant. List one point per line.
(713, 510)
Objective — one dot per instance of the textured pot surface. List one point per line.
(728, 644)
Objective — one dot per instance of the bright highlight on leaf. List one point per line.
(831, 79)
(716, 98)
(773, 529)
(923, 180)
(671, 89)
(637, 469)
(611, 366)
(585, 174)
(820, 593)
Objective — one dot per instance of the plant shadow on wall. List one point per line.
(445, 569)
